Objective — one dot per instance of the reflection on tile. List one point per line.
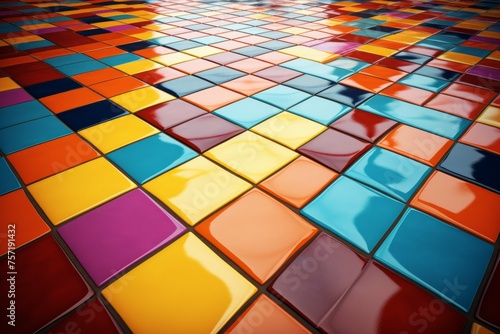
(363, 125)
(483, 136)
(319, 109)
(487, 310)
(247, 112)
(166, 115)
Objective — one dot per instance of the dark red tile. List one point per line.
(159, 75)
(488, 307)
(489, 84)
(31, 78)
(169, 114)
(364, 56)
(364, 125)
(24, 68)
(399, 64)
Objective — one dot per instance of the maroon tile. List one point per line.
(363, 125)
(31, 78)
(399, 64)
(204, 132)
(24, 68)
(364, 56)
(225, 58)
(387, 303)
(334, 149)
(487, 83)
(47, 286)
(278, 74)
(316, 280)
(355, 38)
(169, 114)
(488, 307)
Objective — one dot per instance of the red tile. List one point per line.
(483, 136)
(468, 92)
(456, 106)
(364, 125)
(407, 93)
(159, 75)
(169, 114)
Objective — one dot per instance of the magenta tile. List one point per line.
(13, 96)
(485, 39)
(204, 132)
(334, 149)
(387, 303)
(364, 125)
(112, 237)
(278, 74)
(488, 307)
(485, 72)
(120, 28)
(167, 115)
(316, 280)
(49, 30)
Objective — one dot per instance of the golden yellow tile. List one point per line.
(107, 24)
(304, 12)
(134, 20)
(378, 50)
(148, 35)
(108, 14)
(158, 26)
(111, 135)
(258, 16)
(353, 9)
(37, 26)
(141, 98)
(196, 188)
(401, 39)
(310, 53)
(22, 39)
(294, 30)
(495, 55)
(289, 129)
(384, 18)
(490, 116)
(173, 58)
(138, 66)
(329, 22)
(491, 34)
(186, 288)
(460, 58)
(7, 84)
(76, 190)
(203, 51)
(251, 156)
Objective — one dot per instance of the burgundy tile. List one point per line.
(364, 56)
(364, 125)
(277, 74)
(488, 307)
(487, 83)
(399, 64)
(204, 132)
(334, 149)
(31, 78)
(24, 68)
(169, 114)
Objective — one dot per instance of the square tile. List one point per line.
(247, 112)
(52, 87)
(141, 98)
(309, 84)
(168, 114)
(123, 231)
(456, 106)
(407, 93)
(117, 86)
(185, 85)
(196, 188)
(249, 65)
(251, 156)
(249, 84)
(282, 96)
(213, 98)
(277, 74)
(275, 245)
(22, 112)
(363, 125)
(159, 75)
(346, 95)
(220, 74)
(423, 82)
(483, 136)
(366, 82)
(490, 116)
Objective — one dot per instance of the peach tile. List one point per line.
(213, 98)
(249, 65)
(249, 84)
(117, 86)
(195, 66)
(456, 106)
(366, 82)
(483, 136)
(407, 93)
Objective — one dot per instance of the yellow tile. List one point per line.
(108, 14)
(304, 12)
(110, 135)
(107, 24)
(491, 34)
(134, 20)
(409, 22)
(186, 288)
(173, 58)
(289, 129)
(148, 35)
(294, 30)
(384, 18)
(7, 84)
(76, 190)
(401, 39)
(416, 34)
(411, 10)
(460, 58)
(141, 98)
(353, 9)
(495, 55)
(310, 53)
(138, 66)
(158, 26)
(378, 50)
(490, 116)
(196, 189)
(203, 51)
(258, 16)
(251, 156)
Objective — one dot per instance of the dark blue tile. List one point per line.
(438, 73)
(220, 74)
(184, 86)
(251, 51)
(93, 32)
(346, 95)
(135, 46)
(89, 115)
(474, 165)
(52, 87)
(309, 84)
(412, 57)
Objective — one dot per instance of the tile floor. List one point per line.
(250, 166)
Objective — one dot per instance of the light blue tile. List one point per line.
(247, 112)
(66, 60)
(86, 66)
(471, 51)
(446, 260)
(431, 120)
(349, 64)
(424, 82)
(32, 45)
(282, 96)
(120, 59)
(324, 71)
(22, 112)
(8, 180)
(355, 212)
(389, 172)
(321, 110)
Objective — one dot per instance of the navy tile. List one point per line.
(52, 87)
(309, 84)
(220, 74)
(135, 46)
(93, 32)
(438, 73)
(91, 114)
(413, 57)
(346, 95)
(184, 86)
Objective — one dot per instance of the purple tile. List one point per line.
(13, 96)
(119, 233)
(48, 30)
(485, 72)
(484, 39)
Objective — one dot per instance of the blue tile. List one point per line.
(431, 120)
(209, 40)
(448, 37)
(235, 26)
(349, 64)
(8, 180)
(436, 45)
(346, 95)
(282, 96)
(91, 114)
(424, 82)
(165, 40)
(437, 73)
(412, 57)
(52, 87)
(448, 261)
(220, 74)
(309, 84)
(157, 154)
(20, 136)
(316, 69)
(185, 85)
(66, 60)
(32, 45)
(247, 112)
(471, 51)
(253, 30)
(371, 33)
(321, 110)
(22, 112)
(364, 226)
(84, 67)
(251, 51)
(120, 59)
(275, 34)
(183, 45)
(389, 172)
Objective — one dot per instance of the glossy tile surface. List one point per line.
(487, 308)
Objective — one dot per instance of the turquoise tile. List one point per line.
(431, 120)
(349, 64)
(423, 82)
(120, 59)
(364, 226)
(66, 60)
(165, 40)
(20, 136)
(436, 45)
(446, 260)
(157, 155)
(247, 112)
(209, 40)
(324, 71)
(22, 112)
(371, 33)
(84, 67)
(389, 172)
(471, 51)
(32, 45)
(321, 110)
(8, 180)
(282, 96)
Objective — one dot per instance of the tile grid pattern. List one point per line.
(253, 97)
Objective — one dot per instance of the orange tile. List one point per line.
(366, 82)
(265, 316)
(40, 161)
(456, 106)
(407, 93)
(213, 98)
(299, 182)
(449, 65)
(389, 44)
(103, 53)
(249, 65)
(417, 144)
(94, 77)
(238, 228)
(483, 136)
(16, 61)
(71, 99)
(121, 40)
(275, 57)
(464, 204)
(16, 209)
(472, 93)
(384, 72)
(52, 53)
(117, 86)
(195, 66)
(249, 84)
